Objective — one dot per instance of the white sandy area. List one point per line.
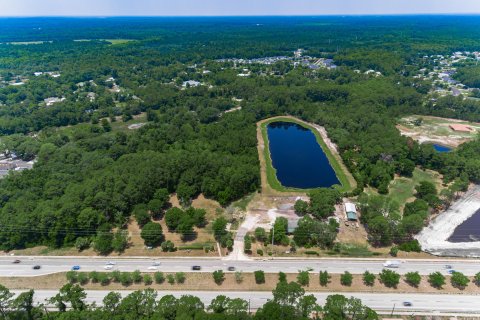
(433, 238)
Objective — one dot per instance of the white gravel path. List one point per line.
(433, 238)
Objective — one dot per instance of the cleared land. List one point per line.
(270, 183)
(204, 281)
(436, 130)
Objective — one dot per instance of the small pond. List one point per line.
(468, 231)
(441, 148)
(298, 158)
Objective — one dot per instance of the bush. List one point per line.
(260, 252)
(147, 279)
(72, 276)
(394, 251)
(368, 278)
(282, 277)
(259, 277)
(125, 279)
(104, 279)
(140, 212)
(476, 280)
(94, 277)
(168, 246)
(410, 246)
(180, 277)
(218, 277)
(170, 279)
(82, 243)
(152, 234)
(346, 279)
(260, 234)
(82, 278)
(413, 279)
(311, 252)
(159, 277)
(324, 278)
(238, 277)
(116, 276)
(389, 278)
(436, 280)
(137, 276)
(303, 278)
(459, 280)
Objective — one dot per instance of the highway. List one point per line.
(384, 302)
(51, 265)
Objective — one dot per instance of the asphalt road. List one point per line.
(421, 303)
(356, 266)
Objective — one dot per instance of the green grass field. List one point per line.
(402, 189)
(271, 171)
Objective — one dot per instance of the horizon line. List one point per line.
(249, 15)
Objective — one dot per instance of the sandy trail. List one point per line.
(433, 238)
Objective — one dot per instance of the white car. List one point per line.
(152, 268)
(108, 267)
(155, 263)
(111, 263)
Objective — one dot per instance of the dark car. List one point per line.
(16, 261)
(231, 268)
(196, 268)
(407, 304)
(36, 267)
(76, 268)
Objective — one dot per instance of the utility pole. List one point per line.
(393, 309)
(248, 306)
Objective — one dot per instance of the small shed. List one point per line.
(351, 211)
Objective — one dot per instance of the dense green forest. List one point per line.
(89, 175)
(289, 302)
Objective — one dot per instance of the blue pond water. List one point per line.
(468, 231)
(298, 158)
(440, 148)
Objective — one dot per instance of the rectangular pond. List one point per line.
(298, 158)
(441, 148)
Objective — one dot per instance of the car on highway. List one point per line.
(407, 304)
(196, 268)
(392, 264)
(231, 268)
(155, 263)
(36, 267)
(451, 271)
(16, 261)
(152, 268)
(108, 267)
(111, 263)
(447, 266)
(76, 268)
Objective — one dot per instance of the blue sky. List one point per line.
(231, 7)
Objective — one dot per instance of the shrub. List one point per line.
(324, 278)
(410, 246)
(389, 278)
(459, 280)
(476, 280)
(137, 276)
(260, 252)
(238, 277)
(152, 234)
(180, 277)
(168, 246)
(259, 277)
(147, 279)
(104, 279)
(413, 279)
(82, 278)
(94, 276)
(82, 243)
(170, 279)
(346, 279)
(311, 252)
(159, 277)
(116, 276)
(394, 251)
(125, 279)
(368, 278)
(260, 234)
(303, 278)
(72, 276)
(218, 277)
(282, 277)
(436, 280)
